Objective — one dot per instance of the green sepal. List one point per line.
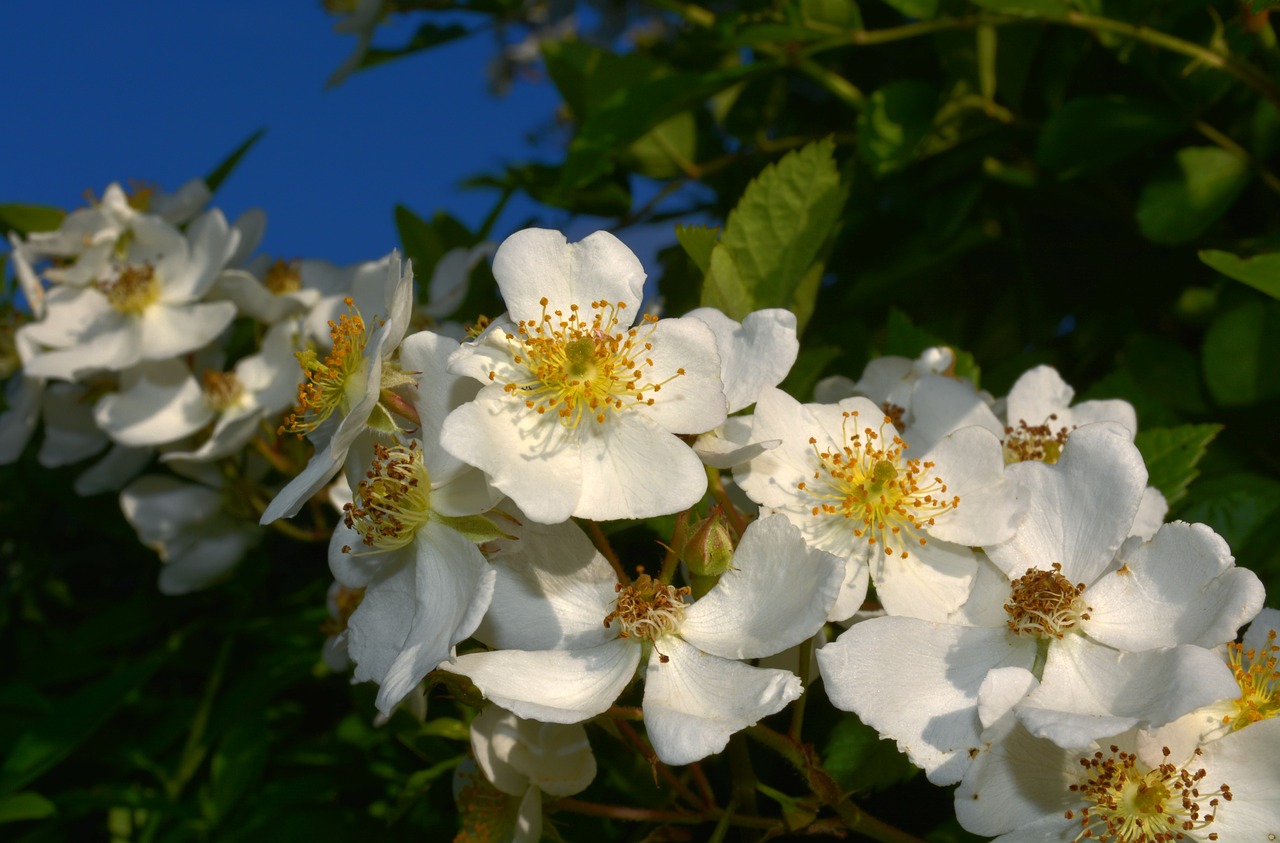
(475, 528)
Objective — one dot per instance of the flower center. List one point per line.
(647, 609)
(1039, 443)
(221, 389)
(1045, 604)
(1259, 680)
(580, 368)
(282, 277)
(393, 500)
(330, 384)
(133, 290)
(889, 498)
(1132, 806)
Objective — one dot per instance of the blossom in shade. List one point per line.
(569, 636)
(408, 538)
(1116, 632)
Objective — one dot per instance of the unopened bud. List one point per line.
(708, 551)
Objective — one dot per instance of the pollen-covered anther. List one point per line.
(1257, 673)
(647, 609)
(327, 382)
(133, 289)
(1130, 805)
(1035, 443)
(889, 498)
(583, 368)
(1045, 604)
(282, 277)
(221, 389)
(393, 500)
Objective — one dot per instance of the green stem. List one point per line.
(601, 541)
(804, 759)
(1255, 78)
(623, 812)
(716, 485)
(1267, 177)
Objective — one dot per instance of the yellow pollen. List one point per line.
(282, 277)
(134, 289)
(1129, 805)
(1258, 676)
(221, 389)
(888, 498)
(1035, 443)
(579, 368)
(647, 609)
(393, 500)
(1045, 604)
(328, 384)
(897, 415)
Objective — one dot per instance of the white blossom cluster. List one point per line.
(151, 331)
(1035, 632)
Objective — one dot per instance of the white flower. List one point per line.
(524, 759)
(888, 381)
(1028, 790)
(187, 524)
(843, 475)
(147, 307)
(581, 410)
(409, 540)
(344, 393)
(574, 636)
(1116, 632)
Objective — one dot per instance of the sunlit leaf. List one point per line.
(219, 174)
(1172, 454)
(769, 253)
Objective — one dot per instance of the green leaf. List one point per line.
(428, 35)
(698, 241)
(859, 760)
(25, 806)
(1182, 200)
(1030, 8)
(906, 339)
(586, 75)
(1172, 453)
(1092, 133)
(842, 14)
(808, 368)
(896, 119)
(1236, 505)
(769, 253)
(239, 763)
(918, 9)
(1262, 272)
(24, 219)
(1241, 354)
(219, 173)
(72, 721)
(666, 151)
(631, 112)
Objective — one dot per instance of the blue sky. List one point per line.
(162, 91)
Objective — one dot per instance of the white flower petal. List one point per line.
(971, 462)
(692, 402)
(537, 263)
(776, 595)
(754, 354)
(917, 683)
(158, 402)
(695, 701)
(631, 468)
(1182, 587)
(1089, 692)
(554, 686)
(168, 330)
(931, 583)
(553, 591)
(1080, 509)
(412, 616)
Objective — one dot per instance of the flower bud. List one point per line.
(708, 551)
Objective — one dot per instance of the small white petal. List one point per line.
(776, 595)
(536, 263)
(695, 701)
(554, 686)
